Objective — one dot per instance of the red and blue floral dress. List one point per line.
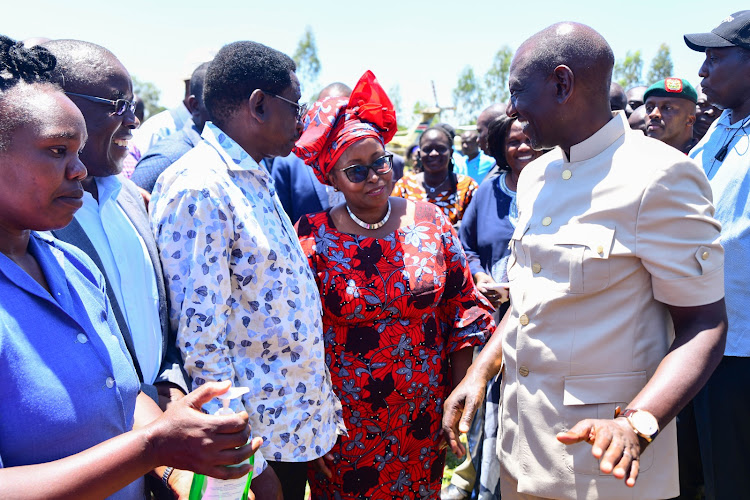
(394, 309)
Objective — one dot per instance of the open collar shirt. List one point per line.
(129, 269)
(244, 301)
(604, 240)
(730, 182)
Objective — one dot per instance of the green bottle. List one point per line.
(210, 488)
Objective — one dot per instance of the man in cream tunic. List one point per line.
(615, 243)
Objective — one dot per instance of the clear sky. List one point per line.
(405, 43)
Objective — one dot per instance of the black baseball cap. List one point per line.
(734, 31)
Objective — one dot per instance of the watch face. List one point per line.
(645, 423)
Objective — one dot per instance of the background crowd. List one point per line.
(246, 236)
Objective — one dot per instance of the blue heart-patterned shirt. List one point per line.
(244, 301)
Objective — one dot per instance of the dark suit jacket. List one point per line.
(131, 202)
(299, 191)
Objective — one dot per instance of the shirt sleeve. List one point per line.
(467, 311)
(148, 170)
(678, 237)
(194, 236)
(468, 235)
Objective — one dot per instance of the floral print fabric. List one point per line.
(393, 310)
(244, 302)
(452, 203)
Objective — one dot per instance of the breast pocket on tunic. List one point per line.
(597, 396)
(515, 247)
(587, 249)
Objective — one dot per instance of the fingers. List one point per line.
(466, 417)
(603, 440)
(233, 456)
(206, 393)
(450, 427)
(582, 431)
(635, 466)
(228, 424)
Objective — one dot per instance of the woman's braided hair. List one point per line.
(19, 65)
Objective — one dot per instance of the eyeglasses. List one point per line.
(121, 105)
(301, 109)
(359, 173)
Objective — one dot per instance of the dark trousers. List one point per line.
(293, 478)
(713, 435)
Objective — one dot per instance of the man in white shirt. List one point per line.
(719, 420)
(112, 226)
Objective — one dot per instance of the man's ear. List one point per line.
(691, 119)
(257, 105)
(564, 83)
(192, 104)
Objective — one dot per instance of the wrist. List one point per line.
(150, 438)
(166, 476)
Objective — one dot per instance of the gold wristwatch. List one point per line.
(643, 423)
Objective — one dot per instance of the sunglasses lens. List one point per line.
(357, 174)
(382, 165)
(120, 106)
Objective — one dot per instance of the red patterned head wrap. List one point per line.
(334, 124)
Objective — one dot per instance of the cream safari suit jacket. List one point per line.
(604, 240)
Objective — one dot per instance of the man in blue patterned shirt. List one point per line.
(244, 300)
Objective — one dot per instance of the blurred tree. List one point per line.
(308, 64)
(149, 94)
(496, 79)
(467, 96)
(629, 71)
(661, 65)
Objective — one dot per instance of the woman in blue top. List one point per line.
(74, 424)
(489, 221)
(486, 230)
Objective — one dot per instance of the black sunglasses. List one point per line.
(301, 109)
(359, 173)
(121, 105)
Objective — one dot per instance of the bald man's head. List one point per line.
(81, 64)
(559, 85)
(577, 46)
(96, 81)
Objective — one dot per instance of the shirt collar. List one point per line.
(725, 120)
(601, 140)
(232, 153)
(108, 188)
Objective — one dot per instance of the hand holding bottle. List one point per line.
(186, 438)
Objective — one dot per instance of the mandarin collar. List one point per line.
(600, 140)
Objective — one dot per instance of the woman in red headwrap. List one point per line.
(400, 310)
